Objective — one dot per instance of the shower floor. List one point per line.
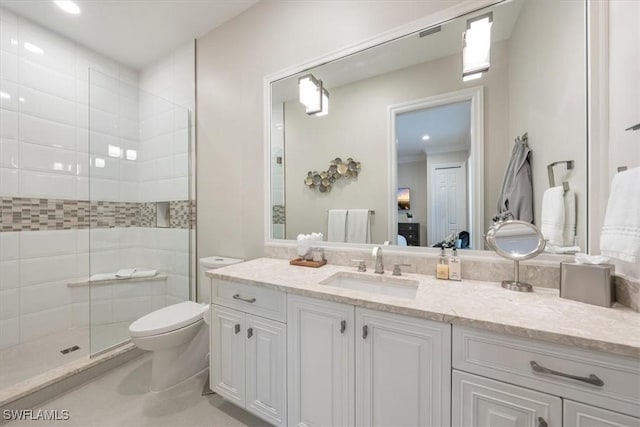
(26, 360)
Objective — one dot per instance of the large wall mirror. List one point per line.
(433, 147)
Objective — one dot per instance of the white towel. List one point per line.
(620, 236)
(358, 226)
(553, 216)
(125, 273)
(337, 225)
(144, 273)
(569, 229)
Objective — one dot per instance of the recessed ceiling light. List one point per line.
(33, 48)
(68, 6)
(426, 137)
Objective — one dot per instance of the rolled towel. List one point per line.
(144, 273)
(125, 273)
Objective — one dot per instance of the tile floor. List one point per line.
(26, 360)
(120, 399)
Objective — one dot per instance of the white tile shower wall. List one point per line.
(44, 152)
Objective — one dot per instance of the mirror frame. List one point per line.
(597, 117)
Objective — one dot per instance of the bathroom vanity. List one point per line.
(331, 346)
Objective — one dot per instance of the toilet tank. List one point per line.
(210, 263)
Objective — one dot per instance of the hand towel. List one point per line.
(358, 226)
(337, 225)
(620, 236)
(125, 273)
(569, 229)
(553, 216)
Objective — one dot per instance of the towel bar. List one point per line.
(552, 181)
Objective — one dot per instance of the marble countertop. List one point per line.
(541, 314)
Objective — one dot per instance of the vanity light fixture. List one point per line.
(476, 45)
(426, 137)
(68, 6)
(313, 95)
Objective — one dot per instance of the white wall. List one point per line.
(232, 61)
(547, 32)
(413, 175)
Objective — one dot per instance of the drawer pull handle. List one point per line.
(343, 326)
(591, 379)
(249, 300)
(249, 332)
(542, 422)
(236, 328)
(365, 332)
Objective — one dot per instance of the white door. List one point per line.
(580, 415)
(227, 353)
(448, 201)
(321, 363)
(266, 373)
(481, 402)
(403, 370)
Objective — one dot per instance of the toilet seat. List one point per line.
(167, 319)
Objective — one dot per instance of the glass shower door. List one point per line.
(139, 206)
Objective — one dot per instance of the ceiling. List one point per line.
(133, 32)
(448, 127)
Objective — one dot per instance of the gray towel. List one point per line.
(516, 196)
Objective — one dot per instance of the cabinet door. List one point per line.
(480, 402)
(403, 370)
(266, 357)
(321, 363)
(580, 415)
(227, 351)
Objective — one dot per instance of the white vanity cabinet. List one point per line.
(506, 380)
(248, 351)
(400, 367)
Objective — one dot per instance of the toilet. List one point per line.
(178, 336)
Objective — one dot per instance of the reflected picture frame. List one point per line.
(404, 199)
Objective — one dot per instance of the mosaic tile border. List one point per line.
(37, 214)
(278, 214)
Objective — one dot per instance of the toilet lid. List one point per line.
(167, 319)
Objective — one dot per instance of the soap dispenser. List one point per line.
(442, 269)
(454, 266)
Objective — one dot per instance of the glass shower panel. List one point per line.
(140, 207)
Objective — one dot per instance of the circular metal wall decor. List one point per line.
(338, 169)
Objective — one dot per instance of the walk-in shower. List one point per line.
(95, 207)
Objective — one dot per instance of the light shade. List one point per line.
(477, 45)
(325, 103)
(310, 92)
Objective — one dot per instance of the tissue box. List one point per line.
(588, 283)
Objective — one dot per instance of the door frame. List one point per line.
(475, 186)
(431, 188)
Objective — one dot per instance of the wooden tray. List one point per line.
(304, 263)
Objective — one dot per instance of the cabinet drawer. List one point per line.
(579, 415)
(604, 380)
(250, 299)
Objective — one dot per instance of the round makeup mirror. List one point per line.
(517, 241)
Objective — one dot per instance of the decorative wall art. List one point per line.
(338, 169)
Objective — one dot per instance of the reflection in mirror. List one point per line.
(405, 112)
(517, 241)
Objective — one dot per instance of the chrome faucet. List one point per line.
(377, 254)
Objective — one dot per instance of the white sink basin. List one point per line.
(378, 284)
